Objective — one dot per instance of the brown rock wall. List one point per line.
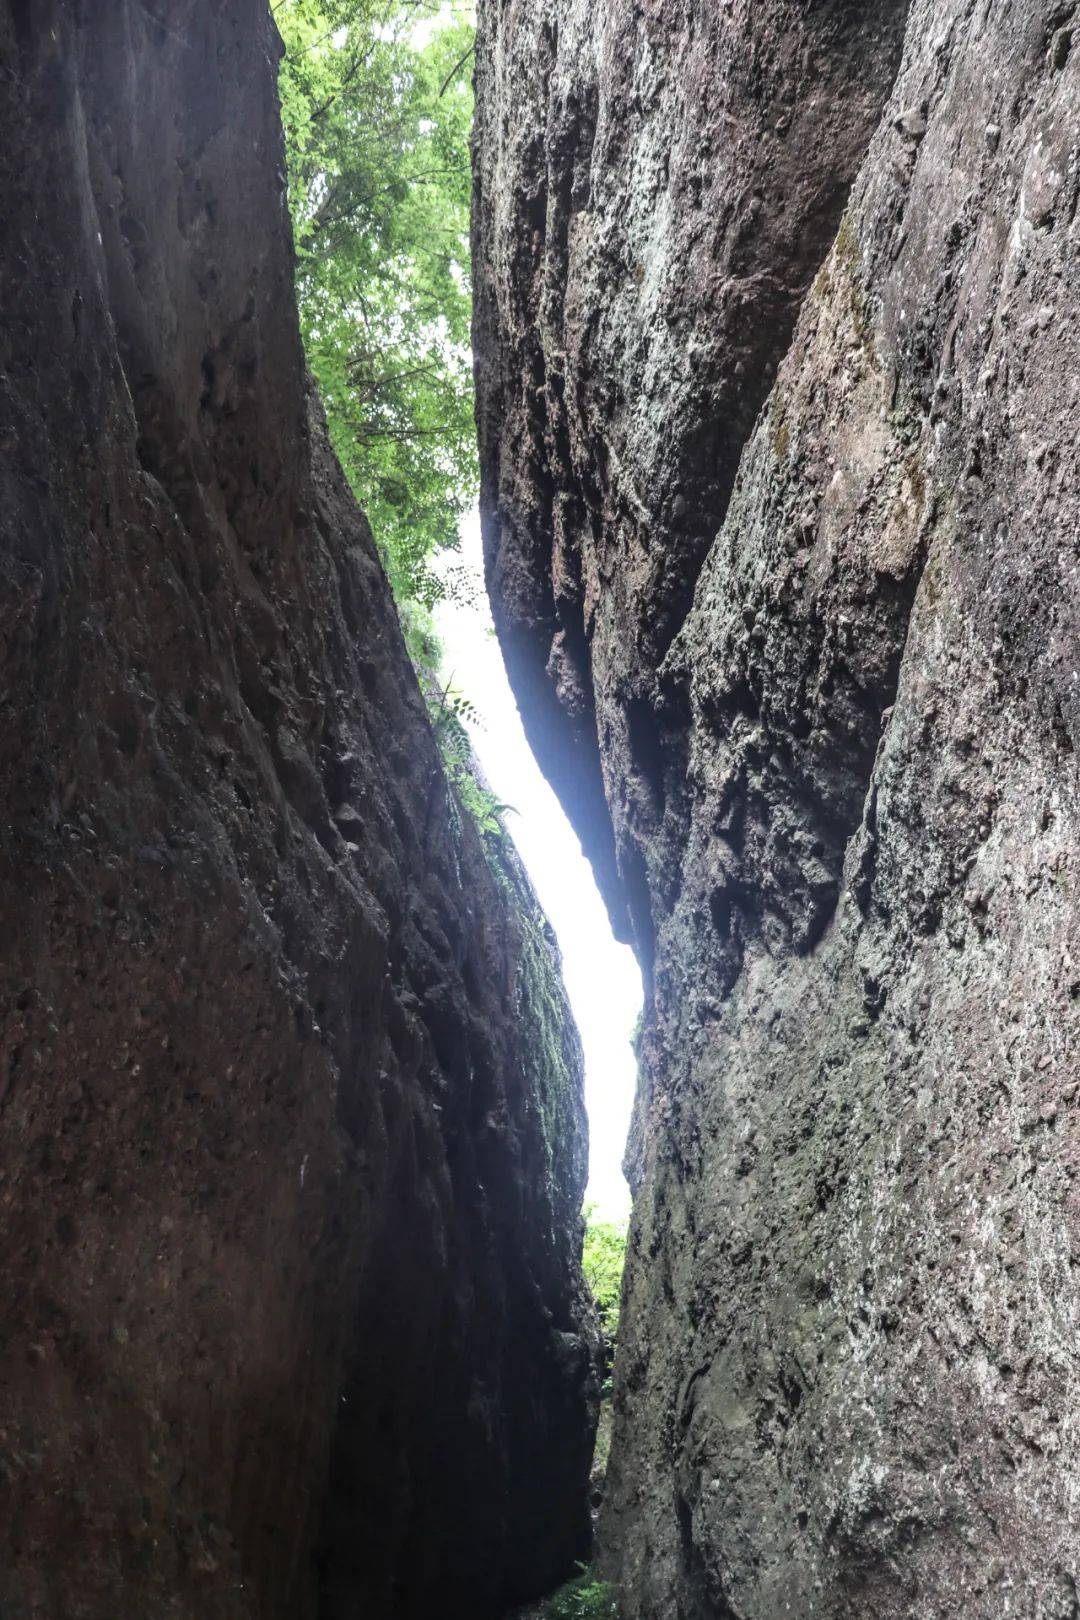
(290, 1307)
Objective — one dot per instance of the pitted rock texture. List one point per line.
(848, 1378)
(656, 186)
(291, 1136)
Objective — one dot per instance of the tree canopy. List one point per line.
(377, 105)
(604, 1259)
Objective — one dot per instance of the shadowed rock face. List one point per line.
(843, 786)
(656, 186)
(291, 1138)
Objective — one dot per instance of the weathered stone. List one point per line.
(291, 1138)
(656, 186)
(842, 788)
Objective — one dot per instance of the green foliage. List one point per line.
(604, 1260)
(583, 1599)
(377, 105)
(450, 713)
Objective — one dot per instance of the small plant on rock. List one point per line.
(583, 1599)
(450, 713)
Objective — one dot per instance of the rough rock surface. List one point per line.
(657, 185)
(843, 790)
(291, 1139)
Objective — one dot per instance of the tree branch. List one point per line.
(458, 65)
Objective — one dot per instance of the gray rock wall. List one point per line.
(291, 1137)
(842, 788)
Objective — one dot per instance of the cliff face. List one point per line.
(656, 187)
(291, 1136)
(841, 788)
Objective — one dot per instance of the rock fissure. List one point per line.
(777, 334)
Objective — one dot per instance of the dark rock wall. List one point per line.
(656, 186)
(291, 1136)
(842, 788)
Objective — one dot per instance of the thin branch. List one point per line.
(455, 70)
(368, 435)
(372, 385)
(347, 79)
(323, 217)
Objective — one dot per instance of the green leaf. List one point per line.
(377, 106)
(604, 1260)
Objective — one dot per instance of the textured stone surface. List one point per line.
(656, 186)
(291, 1141)
(849, 1378)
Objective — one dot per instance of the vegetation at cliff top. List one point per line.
(377, 104)
(604, 1260)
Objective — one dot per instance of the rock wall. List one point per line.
(815, 631)
(291, 1137)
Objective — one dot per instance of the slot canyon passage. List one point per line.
(776, 343)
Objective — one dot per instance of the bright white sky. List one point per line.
(602, 977)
